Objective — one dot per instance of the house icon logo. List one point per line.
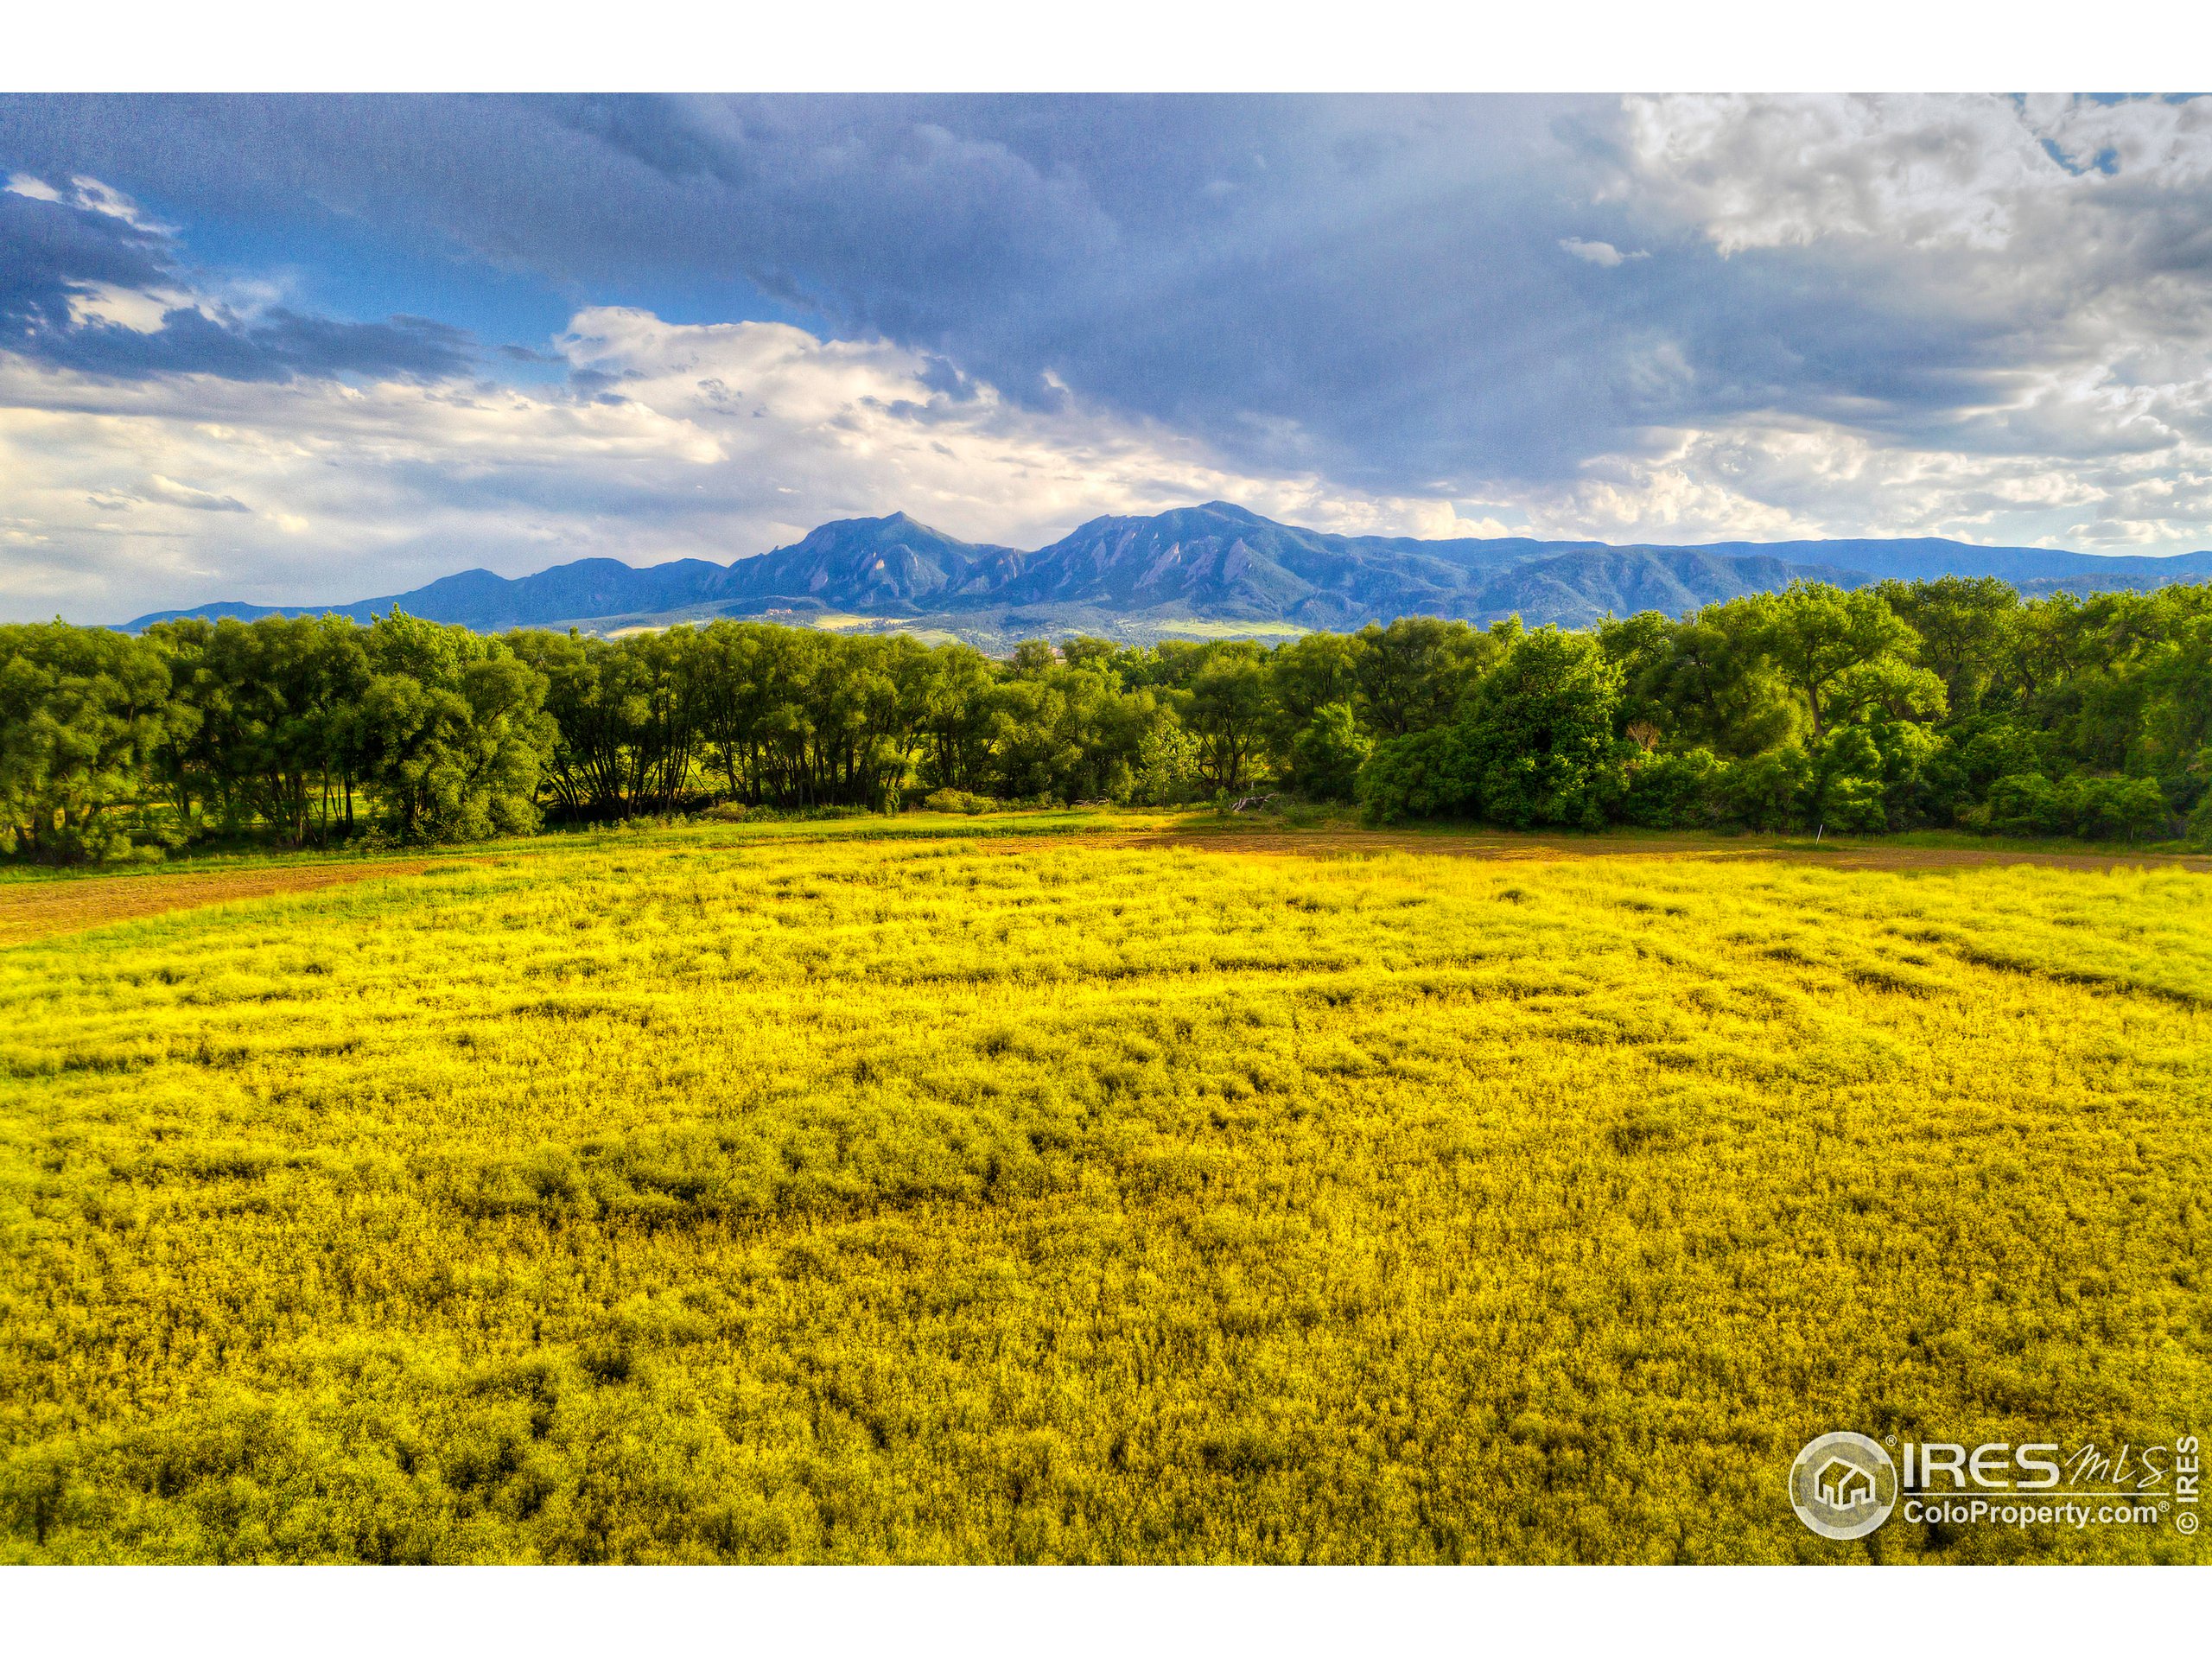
(1843, 1486)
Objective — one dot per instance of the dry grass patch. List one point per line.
(39, 909)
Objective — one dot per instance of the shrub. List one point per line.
(1670, 792)
(1167, 767)
(1539, 733)
(2102, 808)
(1326, 755)
(1420, 775)
(1847, 783)
(2024, 803)
(957, 800)
(1766, 791)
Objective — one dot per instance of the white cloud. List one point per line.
(1764, 172)
(705, 440)
(91, 194)
(140, 310)
(159, 488)
(1776, 477)
(1598, 253)
(100, 198)
(723, 440)
(2039, 264)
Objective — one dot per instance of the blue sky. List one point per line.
(306, 348)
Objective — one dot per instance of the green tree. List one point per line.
(275, 724)
(1426, 775)
(1326, 755)
(1413, 674)
(82, 711)
(1539, 731)
(1767, 791)
(1304, 678)
(455, 732)
(1168, 764)
(1845, 794)
(1817, 635)
(1706, 681)
(1963, 626)
(1226, 709)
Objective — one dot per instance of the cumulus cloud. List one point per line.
(2044, 270)
(1974, 172)
(709, 441)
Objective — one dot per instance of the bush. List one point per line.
(1670, 792)
(1325, 757)
(2023, 804)
(2198, 831)
(1767, 791)
(2102, 808)
(957, 800)
(1167, 767)
(1421, 775)
(805, 814)
(1846, 794)
(2095, 809)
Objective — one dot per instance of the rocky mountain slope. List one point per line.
(1217, 565)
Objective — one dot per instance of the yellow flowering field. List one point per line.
(752, 1197)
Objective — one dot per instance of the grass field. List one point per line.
(800, 1194)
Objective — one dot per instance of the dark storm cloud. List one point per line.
(1384, 290)
(1374, 286)
(55, 256)
(49, 250)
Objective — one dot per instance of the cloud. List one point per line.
(183, 495)
(1987, 317)
(1985, 173)
(89, 281)
(1598, 253)
(709, 441)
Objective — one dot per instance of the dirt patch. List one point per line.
(36, 910)
(1340, 843)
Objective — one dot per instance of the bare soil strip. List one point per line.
(36, 910)
(1338, 843)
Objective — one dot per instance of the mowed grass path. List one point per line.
(826, 1199)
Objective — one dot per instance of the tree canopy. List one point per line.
(1950, 702)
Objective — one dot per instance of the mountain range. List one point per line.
(1211, 569)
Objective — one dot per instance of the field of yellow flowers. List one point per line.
(690, 1198)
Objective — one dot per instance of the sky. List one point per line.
(301, 349)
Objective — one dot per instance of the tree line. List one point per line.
(1953, 703)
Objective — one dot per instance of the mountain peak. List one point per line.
(1214, 560)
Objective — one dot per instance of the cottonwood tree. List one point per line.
(82, 711)
(1816, 635)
